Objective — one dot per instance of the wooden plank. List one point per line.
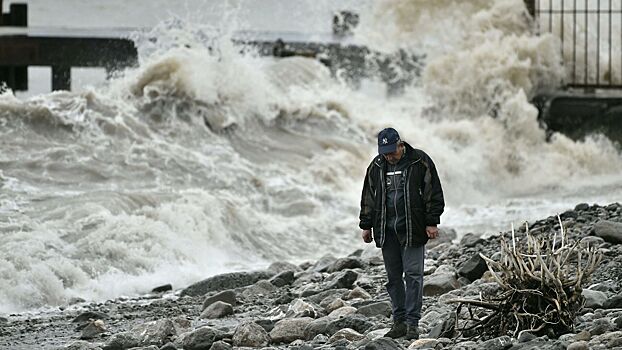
(73, 52)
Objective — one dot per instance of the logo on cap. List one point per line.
(385, 141)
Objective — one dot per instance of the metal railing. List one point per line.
(590, 32)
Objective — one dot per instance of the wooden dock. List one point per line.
(19, 51)
(61, 49)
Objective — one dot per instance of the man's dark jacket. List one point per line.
(423, 198)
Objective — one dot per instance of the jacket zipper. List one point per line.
(409, 230)
(395, 186)
(383, 211)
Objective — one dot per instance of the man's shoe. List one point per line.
(412, 333)
(397, 330)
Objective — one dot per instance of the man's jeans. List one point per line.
(404, 264)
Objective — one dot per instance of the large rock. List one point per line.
(601, 326)
(471, 240)
(326, 297)
(155, 333)
(343, 311)
(227, 296)
(282, 279)
(329, 325)
(150, 347)
(300, 308)
(162, 288)
(578, 345)
(199, 339)
(376, 309)
(594, 299)
(614, 302)
(285, 298)
(358, 293)
(262, 287)
(307, 277)
(611, 340)
(334, 305)
(89, 316)
(289, 329)
(81, 345)
(218, 345)
(445, 328)
(218, 309)
(357, 322)
(437, 284)
(347, 334)
(225, 281)
(122, 341)
(535, 344)
(473, 268)
(500, 343)
(345, 263)
(317, 327)
(382, 344)
(250, 334)
(93, 329)
(171, 346)
(610, 231)
(342, 279)
(424, 343)
(323, 263)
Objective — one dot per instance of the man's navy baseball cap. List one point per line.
(387, 141)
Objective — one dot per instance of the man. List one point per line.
(401, 205)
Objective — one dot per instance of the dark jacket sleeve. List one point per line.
(368, 196)
(432, 193)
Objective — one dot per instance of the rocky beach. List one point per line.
(332, 303)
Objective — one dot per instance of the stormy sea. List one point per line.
(209, 158)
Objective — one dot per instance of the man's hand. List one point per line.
(367, 238)
(431, 231)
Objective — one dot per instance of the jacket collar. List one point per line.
(411, 155)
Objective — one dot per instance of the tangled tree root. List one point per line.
(540, 284)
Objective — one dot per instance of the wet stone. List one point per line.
(345, 263)
(218, 309)
(226, 281)
(343, 279)
(382, 344)
(358, 293)
(289, 329)
(250, 334)
(382, 308)
(614, 302)
(198, 339)
(227, 296)
(500, 343)
(89, 315)
(93, 329)
(610, 231)
(282, 279)
(525, 337)
(220, 345)
(582, 206)
(162, 289)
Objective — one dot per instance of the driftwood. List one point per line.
(540, 288)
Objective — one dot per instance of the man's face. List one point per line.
(395, 157)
